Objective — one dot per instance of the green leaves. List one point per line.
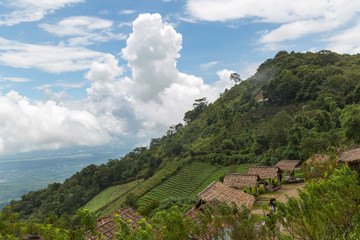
(325, 209)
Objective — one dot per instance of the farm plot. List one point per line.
(109, 194)
(189, 181)
(243, 168)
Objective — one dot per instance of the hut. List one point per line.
(351, 158)
(220, 192)
(242, 181)
(289, 166)
(318, 158)
(267, 173)
(107, 225)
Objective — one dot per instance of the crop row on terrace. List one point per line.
(110, 194)
(189, 181)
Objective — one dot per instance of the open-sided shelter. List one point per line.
(238, 180)
(266, 173)
(107, 225)
(290, 166)
(351, 158)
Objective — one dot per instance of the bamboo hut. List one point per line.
(289, 166)
(351, 158)
(107, 225)
(237, 180)
(220, 192)
(267, 173)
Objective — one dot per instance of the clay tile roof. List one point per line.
(265, 172)
(351, 156)
(288, 165)
(318, 158)
(241, 180)
(106, 225)
(221, 192)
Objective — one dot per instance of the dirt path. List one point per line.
(289, 189)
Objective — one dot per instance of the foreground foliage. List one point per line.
(325, 209)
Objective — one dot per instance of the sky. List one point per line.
(90, 73)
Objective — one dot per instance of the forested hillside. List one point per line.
(296, 104)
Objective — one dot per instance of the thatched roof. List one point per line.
(318, 158)
(288, 165)
(351, 156)
(265, 172)
(241, 180)
(221, 192)
(106, 225)
(194, 214)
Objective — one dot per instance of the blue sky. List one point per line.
(120, 72)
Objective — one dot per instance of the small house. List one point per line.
(267, 173)
(289, 166)
(107, 225)
(318, 158)
(237, 180)
(220, 192)
(351, 158)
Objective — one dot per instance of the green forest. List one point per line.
(295, 105)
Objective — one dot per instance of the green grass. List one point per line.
(189, 181)
(110, 194)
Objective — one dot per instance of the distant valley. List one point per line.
(31, 172)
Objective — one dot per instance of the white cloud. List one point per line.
(16, 79)
(346, 41)
(127, 12)
(151, 52)
(87, 29)
(208, 65)
(158, 94)
(297, 19)
(27, 126)
(124, 24)
(143, 106)
(55, 96)
(77, 26)
(62, 85)
(48, 58)
(31, 10)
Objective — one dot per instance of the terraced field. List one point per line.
(243, 168)
(110, 194)
(189, 181)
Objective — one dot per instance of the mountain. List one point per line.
(296, 104)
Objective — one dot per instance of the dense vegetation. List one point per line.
(327, 209)
(297, 104)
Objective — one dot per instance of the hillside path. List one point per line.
(290, 189)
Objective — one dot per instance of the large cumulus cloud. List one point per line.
(27, 126)
(118, 108)
(157, 95)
